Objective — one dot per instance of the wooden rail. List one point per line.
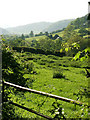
(46, 94)
(30, 110)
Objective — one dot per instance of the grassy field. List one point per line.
(73, 84)
(35, 38)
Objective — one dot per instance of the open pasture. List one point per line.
(72, 84)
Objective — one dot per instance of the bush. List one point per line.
(29, 67)
(58, 74)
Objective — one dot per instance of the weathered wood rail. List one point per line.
(30, 110)
(46, 94)
(41, 93)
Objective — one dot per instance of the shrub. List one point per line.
(29, 67)
(58, 74)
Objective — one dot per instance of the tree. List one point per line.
(22, 37)
(58, 44)
(83, 32)
(74, 44)
(31, 34)
(26, 36)
(16, 42)
(11, 72)
(46, 33)
(40, 33)
(50, 36)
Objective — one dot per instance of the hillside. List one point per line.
(39, 27)
(26, 29)
(78, 26)
(46, 26)
(80, 22)
(58, 25)
(3, 31)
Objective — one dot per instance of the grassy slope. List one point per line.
(35, 38)
(74, 81)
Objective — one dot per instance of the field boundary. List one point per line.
(39, 51)
(41, 93)
(45, 94)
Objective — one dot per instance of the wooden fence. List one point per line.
(44, 94)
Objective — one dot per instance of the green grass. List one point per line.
(75, 82)
(35, 38)
(59, 33)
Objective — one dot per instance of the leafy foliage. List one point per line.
(57, 110)
(80, 22)
(33, 67)
(11, 72)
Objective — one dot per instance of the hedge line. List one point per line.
(38, 51)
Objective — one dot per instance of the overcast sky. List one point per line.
(21, 12)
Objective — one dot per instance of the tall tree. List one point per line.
(46, 33)
(31, 34)
(23, 37)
